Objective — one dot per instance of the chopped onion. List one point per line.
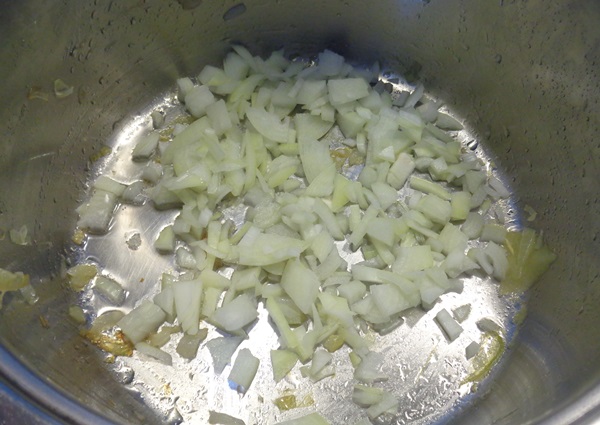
(166, 240)
(142, 321)
(282, 143)
(155, 353)
(388, 403)
(145, 147)
(198, 99)
(188, 344)
(366, 396)
(188, 298)
(77, 314)
(223, 418)
(368, 370)
(97, 213)
(221, 349)
(472, 349)
(282, 362)
(110, 289)
(450, 326)
(305, 293)
(11, 281)
(20, 236)
(243, 371)
(80, 275)
(236, 314)
(346, 90)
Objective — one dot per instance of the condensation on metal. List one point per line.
(426, 371)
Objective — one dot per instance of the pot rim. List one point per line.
(40, 398)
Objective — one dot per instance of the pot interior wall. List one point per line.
(522, 74)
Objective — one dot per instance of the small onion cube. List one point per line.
(301, 284)
(243, 371)
(221, 349)
(152, 172)
(134, 193)
(188, 344)
(346, 90)
(142, 321)
(472, 349)
(282, 362)
(389, 403)
(198, 99)
(184, 85)
(223, 418)
(155, 353)
(366, 396)
(109, 289)
(145, 147)
(107, 184)
(188, 299)
(165, 242)
(368, 370)
(97, 213)
(238, 313)
(447, 323)
(79, 275)
(493, 232)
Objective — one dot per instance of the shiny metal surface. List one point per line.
(523, 74)
(427, 372)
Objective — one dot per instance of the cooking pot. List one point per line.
(522, 75)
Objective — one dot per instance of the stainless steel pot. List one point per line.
(523, 74)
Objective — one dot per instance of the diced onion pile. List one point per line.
(319, 160)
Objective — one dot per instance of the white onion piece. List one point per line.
(366, 396)
(282, 362)
(493, 232)
(165, 242)
(462, 312)
(145, 147)
(142, 321)
(243, 371)
(188, 298)
(97, 213)
(221, 349)
(236, 314)
(368, 370)
(198, 99)
(472, 349)
(109, 289)
(450, 326)
(188, 344)
(155, 353)
(134, 193)
(223, 419)
(489, 325)
(388, 403)
(184, 85)
(346, 90)
(305, 293)
(152, 172)
(269, 125)
(165, 299)
(108, 184)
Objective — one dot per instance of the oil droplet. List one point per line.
(125, 375)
